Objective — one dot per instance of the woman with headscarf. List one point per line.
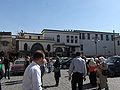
(92, 71)
(102, 78)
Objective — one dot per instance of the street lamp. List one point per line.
(114, 42)
(105, 50)
(95, 40)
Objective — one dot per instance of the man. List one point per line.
(7, 67)
(78, 71)
(27, 61)
(32, 74)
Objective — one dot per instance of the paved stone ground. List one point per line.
(15, 83)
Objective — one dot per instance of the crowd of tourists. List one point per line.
(35, 68)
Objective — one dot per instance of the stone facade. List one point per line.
(68, 42)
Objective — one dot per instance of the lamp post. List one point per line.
(105, 50)
(114, 42)
(95, 40)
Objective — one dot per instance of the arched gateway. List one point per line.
(37, 46)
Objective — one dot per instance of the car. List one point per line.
(18, 67)
(113, 65)
(65, 64)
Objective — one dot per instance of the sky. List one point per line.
(33, 16)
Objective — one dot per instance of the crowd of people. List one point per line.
(35, 69)
(79, 68)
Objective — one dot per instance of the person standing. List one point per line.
(32, 74)
(48, 65)
(27, 61)
(92, 71)
(43, 70)
(101, 78)
(7, 67)
(57, 73)
(78, 72)
(1, 72)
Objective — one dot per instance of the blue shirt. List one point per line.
(78, 65)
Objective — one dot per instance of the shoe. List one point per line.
(56, 85)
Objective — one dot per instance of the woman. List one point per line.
(101, 78)
(57, 71)
(92, 71)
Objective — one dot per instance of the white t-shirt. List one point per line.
(32, 77)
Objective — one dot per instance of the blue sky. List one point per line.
(36, 15)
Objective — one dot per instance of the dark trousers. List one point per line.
(57, 80)
(57, 77)
(7, 72)
(0, 86)
(77, 78)
(92, 78)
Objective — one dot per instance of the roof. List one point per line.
(76, 31)
(5, 33)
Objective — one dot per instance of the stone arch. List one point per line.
(37, 46)
(59, 51)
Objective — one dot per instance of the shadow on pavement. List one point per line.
(45, 87)
(13, 82)
(88, 86)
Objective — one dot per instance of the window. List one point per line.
(107, 38)
(48, 47)
(38, 37)
(5, 43)
(83, 35)
(76, 39)
(101, 36)
(25, 46)
(112, 37)
(29, 37)
(96, 35)
(58, 38)
(118, 42)
(67, 38)
(72, 39)
(88, 36)
(79, 35)
(81, 47)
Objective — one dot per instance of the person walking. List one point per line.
(57, 73)
(78, 72)
(92, 71)
(102, 77)
(32, 74)
(6, 63)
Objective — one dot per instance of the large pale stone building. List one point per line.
(67, 42)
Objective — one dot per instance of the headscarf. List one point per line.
(92, 62)
(101, 59)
